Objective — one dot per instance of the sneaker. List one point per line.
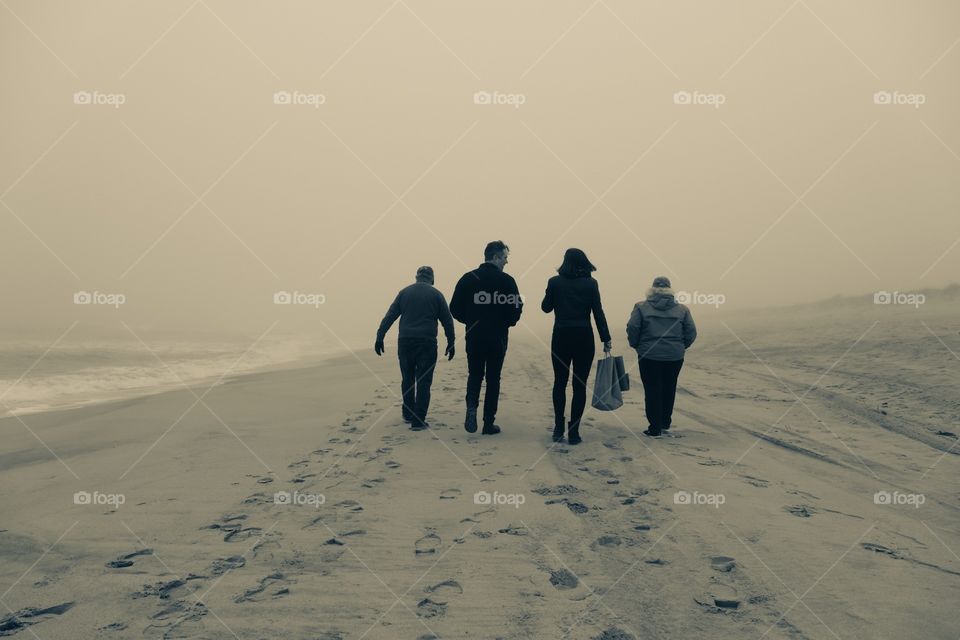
(470, 422)
(419, 427)
(490, 430)
(407, 419)
(653, 434)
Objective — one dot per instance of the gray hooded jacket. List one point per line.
(660, 328)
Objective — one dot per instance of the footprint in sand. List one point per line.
(125, 560)
(606, 541)
(718, 596)
(221, 566)
(370, 483)
(427, 608)
(302, 477)
(563, 579)
(445, 589)
(19, 620)
(614, 633)
(164, 589)
(513, 530)
(427, 544)
(800, 510)
(723, 564)
(450, 494)
(178, 620)
(757, 482)
(298, 464)
(271, 586)
(392, 464)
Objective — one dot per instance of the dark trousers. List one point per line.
(571, 346)
(418, 357)
(485, 356)
(659, 390)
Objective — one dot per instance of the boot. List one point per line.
(470, 422)
(573, 433)
(558, 430)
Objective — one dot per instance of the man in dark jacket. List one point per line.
(419, 306)
(661, 330)
(488, 302)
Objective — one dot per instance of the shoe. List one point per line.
(419, 427)
(407, 419)
(470, 422)
(653, 434)
(666, 428)
(558, 431)
(490, 430)
(573, 433)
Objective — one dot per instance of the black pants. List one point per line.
(659, 390)
(571, 345)
(418, 357)
(485, 356)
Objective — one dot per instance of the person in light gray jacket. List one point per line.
(660, 329)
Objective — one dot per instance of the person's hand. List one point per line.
(378, 347)
(450, 351)
(607, 346)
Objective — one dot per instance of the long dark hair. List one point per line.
(575, 264)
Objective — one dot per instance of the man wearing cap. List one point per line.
(419, 306)
(661, 330)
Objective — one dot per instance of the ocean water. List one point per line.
(35, 377)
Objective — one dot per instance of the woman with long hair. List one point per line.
(572, 295)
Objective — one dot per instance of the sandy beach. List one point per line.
(758, 519)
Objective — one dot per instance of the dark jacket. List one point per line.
(571, 300)
(419, 307)
(487, 301)
(660, 328)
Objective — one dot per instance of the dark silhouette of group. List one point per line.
(487, 302)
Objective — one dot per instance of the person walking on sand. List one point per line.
(487, 301)
(419, 306)
(571, 296)
(661, 330)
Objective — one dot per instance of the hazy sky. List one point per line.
(787, 183)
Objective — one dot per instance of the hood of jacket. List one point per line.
(661, 298)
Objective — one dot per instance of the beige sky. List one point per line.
(298, 197)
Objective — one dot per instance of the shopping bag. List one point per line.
(606, 386)
(622, 375)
